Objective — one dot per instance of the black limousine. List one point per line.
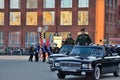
(64, 51)
(89, 61)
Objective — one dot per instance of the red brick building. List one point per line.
(20, 19)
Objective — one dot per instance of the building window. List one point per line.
(83, 3)
(82, 17)
(49, 4)
(15, 18)
(111, 2)
(15, 4)
(66, 3)
(107, 17)
(48, 18)
(30, 37)
(14, 39)
(31, 18)
(1, 39)
(1, 18)
(1, 4)
(32, 3)
(107, 2)
(111, 17)
(66, 18)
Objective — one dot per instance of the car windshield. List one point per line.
(84, 52)
(66, 49)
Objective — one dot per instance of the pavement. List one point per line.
(19, 68)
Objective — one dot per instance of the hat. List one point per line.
(82, 30)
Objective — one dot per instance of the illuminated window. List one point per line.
(66, 18)
(1, 18)
(14, 39)
(1, 39)
(49, 4)
(15, 4)
(15, 18)
(30, 37)
(31, 18)
(48, 18)
(32, 3)
(83, 18)
(83, 3)
(1, 4)
(66, 3)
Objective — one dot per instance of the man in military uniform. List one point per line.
(69, 40)
(83, 38)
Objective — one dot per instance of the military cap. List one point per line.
(83, 30)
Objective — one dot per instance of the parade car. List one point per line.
(64, 51)
(89, 61)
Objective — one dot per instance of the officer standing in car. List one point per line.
(83, 38)
(69, 40)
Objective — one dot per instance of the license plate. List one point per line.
(68, 69)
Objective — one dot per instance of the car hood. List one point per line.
(88, 59)
(57, 55)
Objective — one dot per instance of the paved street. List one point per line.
(19, 68)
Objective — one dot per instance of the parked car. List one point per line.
(89, 61)
(64, 51)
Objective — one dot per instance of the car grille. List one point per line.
(70, 64)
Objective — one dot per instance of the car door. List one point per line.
(106, 63)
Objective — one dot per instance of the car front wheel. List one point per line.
(94, 75)
(61, 75)
(117, 72)
(97, 73)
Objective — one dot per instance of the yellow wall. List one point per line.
(100, 11)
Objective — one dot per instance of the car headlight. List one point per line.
(57, 64)
(51, 59)
(86, 66)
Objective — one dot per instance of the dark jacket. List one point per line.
(83, 39)
(69, 41)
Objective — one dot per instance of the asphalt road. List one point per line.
(19, 68)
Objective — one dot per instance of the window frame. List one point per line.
(87, 17)
(15, 7)
(86, 3)
(28, 40)
(45, 3)
(63, 6)
(1, 39)
(2, 4)
(11, 40)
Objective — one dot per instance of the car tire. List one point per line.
(61, 75)
(96, 73)
(117, 72)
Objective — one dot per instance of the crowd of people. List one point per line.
(35, 49)
(82, 39)
(42, 51)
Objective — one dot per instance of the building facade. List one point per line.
(20, 19)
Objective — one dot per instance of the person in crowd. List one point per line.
(31, 52)
(44, 51)
(50, 50)
(83, 38)
(37, 48)
(113, 48)
(56, 48)
(118, 49)
(69, 40)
